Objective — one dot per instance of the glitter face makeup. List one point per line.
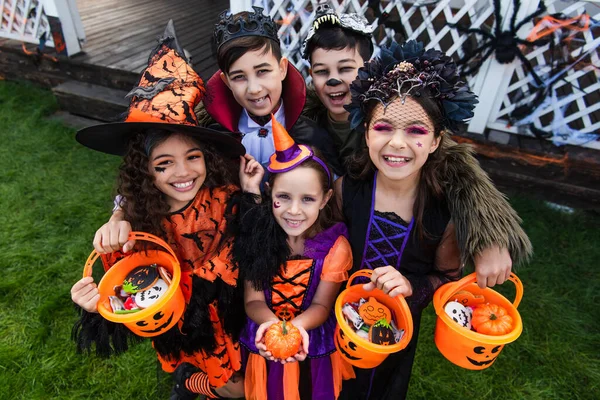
(400, 139)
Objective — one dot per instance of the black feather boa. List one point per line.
(196, 333)
(108, 337)
(260, 247)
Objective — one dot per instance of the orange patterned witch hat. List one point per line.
(288, 154)
(165, 97)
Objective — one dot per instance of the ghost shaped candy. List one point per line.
(146, 298)
(460, 314)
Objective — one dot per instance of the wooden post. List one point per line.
(70, 25)
(237, 6)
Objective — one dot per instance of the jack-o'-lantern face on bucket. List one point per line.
(346, 346)
(482, 356)
(156, 324)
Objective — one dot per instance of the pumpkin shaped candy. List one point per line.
(283, 340)
(372, 311)
(381, 333)
(491, 319)
(141, 278)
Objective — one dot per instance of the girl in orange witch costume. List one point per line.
(293, 258)
(174, 183)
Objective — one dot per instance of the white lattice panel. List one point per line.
(572, 108)
(35, 21)
(24, 20)
(498, 85)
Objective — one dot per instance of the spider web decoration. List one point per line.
(566, 108)
(503, 43)
(24, 20)
(510, 83)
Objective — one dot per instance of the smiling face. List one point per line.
(400, 139)
(178, 167)
(372, 311)
(298, 197)
(332, 72)
(255, 79)
(483, 357)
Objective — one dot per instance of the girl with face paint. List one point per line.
(406, 102)
(293, 259)
(175, 182)
(337, 45)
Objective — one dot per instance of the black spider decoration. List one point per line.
(504, 43)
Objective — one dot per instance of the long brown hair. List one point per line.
(143, 204)
(361, 167)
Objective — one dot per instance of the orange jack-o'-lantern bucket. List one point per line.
(356, 350)
(462, 346)
(168, 308)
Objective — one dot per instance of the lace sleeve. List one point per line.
(447, 268)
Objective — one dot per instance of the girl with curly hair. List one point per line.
(394, 198)
(175, 182)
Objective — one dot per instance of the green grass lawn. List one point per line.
(55, 193)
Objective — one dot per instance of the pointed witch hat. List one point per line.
(165, 97)
(288, 154)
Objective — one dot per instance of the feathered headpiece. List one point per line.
(408, 70)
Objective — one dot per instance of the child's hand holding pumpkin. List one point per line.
(282, 341)
(259, 339)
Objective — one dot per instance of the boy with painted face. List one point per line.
(255, 81)
(337, 46)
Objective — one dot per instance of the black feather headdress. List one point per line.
(409, 70)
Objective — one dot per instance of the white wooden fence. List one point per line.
(32, 21)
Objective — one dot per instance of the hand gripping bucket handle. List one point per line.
(87, 269)
(369, 355)
(173, 292)
(452, 287)
(401, 302)
(457, 343)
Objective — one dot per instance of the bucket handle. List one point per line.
(400, 299)
(87, 269)
(454, 287)
(360, 273)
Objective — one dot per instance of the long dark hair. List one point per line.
(143, 204)
(430, 187)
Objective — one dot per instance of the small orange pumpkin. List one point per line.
(491, 319)
(283, 340)
(372, 311)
